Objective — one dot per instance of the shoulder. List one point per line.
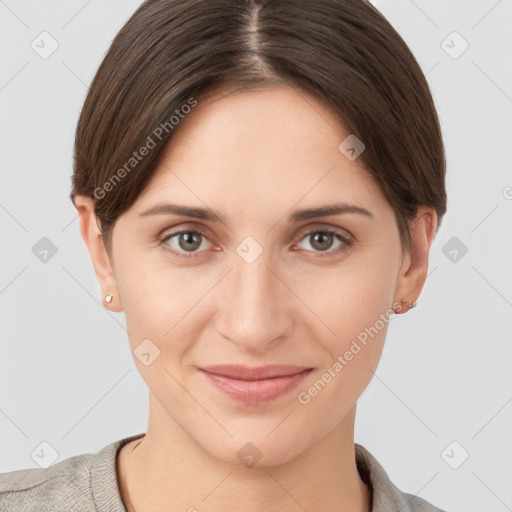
(417, 504)
(83, 483)
(64, 484)
(386, 495)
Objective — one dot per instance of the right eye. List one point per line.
(184, 243)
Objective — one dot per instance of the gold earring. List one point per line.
(108, 298)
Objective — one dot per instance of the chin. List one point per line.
(258, 450)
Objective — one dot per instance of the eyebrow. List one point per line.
(296, 216)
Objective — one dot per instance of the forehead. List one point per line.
(274, 144)
(274, 120)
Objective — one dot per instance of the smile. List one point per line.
(255, 386)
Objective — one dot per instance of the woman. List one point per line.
(259, 184)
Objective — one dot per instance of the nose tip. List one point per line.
(254, 311)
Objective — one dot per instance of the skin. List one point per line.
(295, 304)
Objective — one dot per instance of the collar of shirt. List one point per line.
(386, 497)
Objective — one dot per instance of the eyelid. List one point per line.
(166, 236)
(186, 226)
(306, 230)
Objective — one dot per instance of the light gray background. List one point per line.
(66, 373)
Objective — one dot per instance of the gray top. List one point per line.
(88, 483)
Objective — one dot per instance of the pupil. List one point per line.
(191, 239)
(323, 237)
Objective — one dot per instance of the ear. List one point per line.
(414, 269)
(99, 255)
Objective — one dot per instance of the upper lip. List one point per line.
(254, 373)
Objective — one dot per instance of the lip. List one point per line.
(255, 385)
(254, 373)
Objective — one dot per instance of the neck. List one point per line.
(167, 471)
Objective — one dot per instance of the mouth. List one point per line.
(255, 385)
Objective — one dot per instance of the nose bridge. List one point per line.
(253, 313)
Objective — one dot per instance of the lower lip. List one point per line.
(256, 392)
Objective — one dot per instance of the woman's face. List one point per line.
(266, 285)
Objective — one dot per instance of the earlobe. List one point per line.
(100, 260)
(415, 267)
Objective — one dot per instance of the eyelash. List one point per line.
(347, 243)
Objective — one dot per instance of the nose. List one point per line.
(256, 307)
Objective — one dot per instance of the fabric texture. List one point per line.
(88, 483)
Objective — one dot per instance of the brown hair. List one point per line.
(172, 52)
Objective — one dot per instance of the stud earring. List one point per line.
(404, 304)
(108, 298)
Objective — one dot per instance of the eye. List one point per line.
(184, 243)
(322, 241)
(188, 242)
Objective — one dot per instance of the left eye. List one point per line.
(322, 241)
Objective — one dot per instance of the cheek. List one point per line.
(162, 304)
(351, 297)
(353, 303)
(150, 300)
(359, 319)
